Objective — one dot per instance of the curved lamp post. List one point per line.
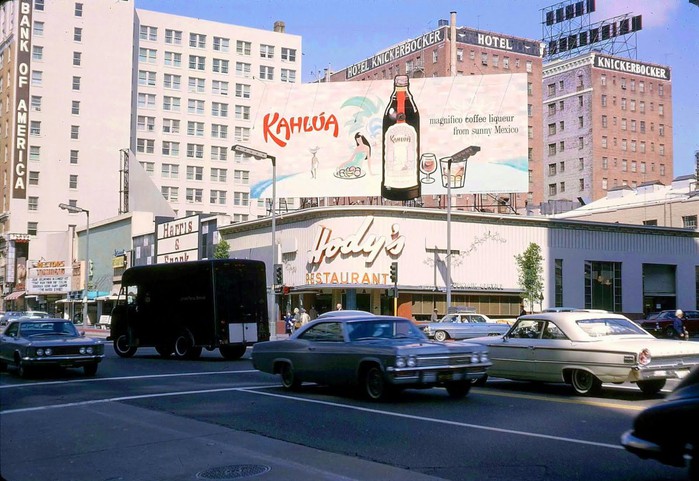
(76, 210)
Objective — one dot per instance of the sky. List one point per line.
(336, 34)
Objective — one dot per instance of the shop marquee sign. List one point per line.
(361, 242)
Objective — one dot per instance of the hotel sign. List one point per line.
(632, 67)
(401, 50)
(21, 123)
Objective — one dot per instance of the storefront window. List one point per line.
(603, 286)
(558, 287)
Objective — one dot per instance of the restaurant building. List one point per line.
(333, 255)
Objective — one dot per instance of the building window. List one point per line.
(661, 90)
(196, 85)
(242, 47)
(171, 149)
(241, 198)
(242, 134)
(72, 181)
(552, 189)
(496, 61)
(552, 149)
(287, 75)
(217, 197)
(243, 69)
(148, 33)
(552, 129)
(146, 78)
(289, 54)
(77, 34)
(34, 152)
(78, 9)
(33, 178)
(37, 78)
(604, 141)
(242, 91)
(604, 100)
(689, 221)
(170, 193)
(662, 169)
(75, 107)
(661, 149)
(194, 195)
(173, 59)
(219, 175)
(266, 51)
(603, 288)
(195, 173)
(661, 130)
(197, 40)
(171, 126)
(552, 109)
(219, 131)
(37, 52)
(552, 169)
(32, 203)
(171, 104)
(528, 66)
(170, 171)
(195, 106)
(35, 103)
(484, 59)
(173, 37)
(581, 122)
(562, 187)
(171, 81)
(219, 153)
(35, 127)
(197, 62)
(145, 146)
(220, 66)
(581, 143)
(266, 73)
(74, 154)
(219, 109)
(195, 128)
(604, 121)
(195, 151)
(562, 145)
(147, 55)
(32, 228)
(219, 87)
(221, 44)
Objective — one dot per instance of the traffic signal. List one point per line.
(278, 274)
(394, 272)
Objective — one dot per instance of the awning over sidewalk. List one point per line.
(13, 296)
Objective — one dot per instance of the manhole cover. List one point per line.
(234, 471)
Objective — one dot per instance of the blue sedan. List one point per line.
(463, 326)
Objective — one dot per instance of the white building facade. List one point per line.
(344, 254)
(89, 87)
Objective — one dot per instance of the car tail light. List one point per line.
(644, 357)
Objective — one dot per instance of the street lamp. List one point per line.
(258, 154)
(74, 209)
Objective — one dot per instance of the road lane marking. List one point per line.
(124, 378)
(435, 420)
(256, 390)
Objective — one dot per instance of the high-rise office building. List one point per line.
(86, 85)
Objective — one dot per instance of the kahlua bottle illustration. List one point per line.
(401, 144)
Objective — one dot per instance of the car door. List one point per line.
(322, 359)
(513, 354)
(9, 340)
(550, 352)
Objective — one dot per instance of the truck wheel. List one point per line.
(185, 348)
(122, 346)
(232, 352)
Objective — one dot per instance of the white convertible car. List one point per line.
(585, 349)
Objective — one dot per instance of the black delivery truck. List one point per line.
(181, 307)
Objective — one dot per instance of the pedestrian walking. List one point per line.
(434, 317)
(313, 313)
(338, 307)
(304, 317)
(679, 330)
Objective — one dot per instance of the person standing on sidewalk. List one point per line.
(680, 332)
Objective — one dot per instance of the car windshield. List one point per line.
(28, 329)
(383, 329)
(450, 318)
(609, 327)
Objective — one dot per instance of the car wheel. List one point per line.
(289, 379)
(164, 350)
(585, 383)
(651, 387)
(23, 370)
(122, 346)
(458, 389)
(480, 382)
(232, 352)
(90, 369)
(375, 386)
(669, 332)
(185, 348)
(441, 336)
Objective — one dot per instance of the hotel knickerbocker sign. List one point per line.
(362, 243)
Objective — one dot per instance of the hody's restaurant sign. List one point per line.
(49, 277)
(361, 243)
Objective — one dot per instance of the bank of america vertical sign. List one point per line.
(21, 127)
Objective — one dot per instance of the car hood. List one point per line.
(423, 346)
(61, 340)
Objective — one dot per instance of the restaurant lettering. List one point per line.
(370, 245)
(374, 278)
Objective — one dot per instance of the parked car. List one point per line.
(27, 344)
(6, 317)
(586, 349)
(661, 325)
(667, 432)
(380, 355)
(343, 313)
(35, 315)
(463, 326)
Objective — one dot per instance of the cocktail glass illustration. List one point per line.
(456, 175)
(428, 165)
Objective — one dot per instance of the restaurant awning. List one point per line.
(12, 296)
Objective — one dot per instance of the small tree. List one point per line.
(529, 266)
(221, 250)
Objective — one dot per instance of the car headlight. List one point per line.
(39, 352)
(644, 357)
(474, 358)
(82, 350)
(48, 351)
(89, 350)
(484, 357)
(400, 361)
(412, 362)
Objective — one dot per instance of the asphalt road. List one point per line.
(154, 419)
